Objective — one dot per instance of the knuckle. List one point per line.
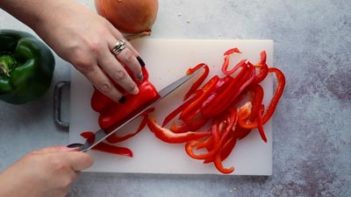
(119, 75)
(57, 164)
(103, 87)
(129, 56)
(95, 47)
(67, 181)
(82, 62)
(86, 159)
(131, 88)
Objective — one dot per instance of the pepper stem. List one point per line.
(4, 70)
(7, 64)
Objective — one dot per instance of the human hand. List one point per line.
(46, 172)
(86, 39)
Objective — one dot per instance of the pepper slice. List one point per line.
(104, 147)
(273, 104)
(168, 136)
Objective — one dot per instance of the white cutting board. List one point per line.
(167, 60)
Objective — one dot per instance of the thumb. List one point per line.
(52, 149)
(78, 160)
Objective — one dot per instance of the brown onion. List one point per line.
(129, 16)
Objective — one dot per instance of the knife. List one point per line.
(101, 134)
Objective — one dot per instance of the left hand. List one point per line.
(46, 172)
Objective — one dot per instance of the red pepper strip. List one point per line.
(168, 136)
(198, 82)
(220, 167)
(104, 147)
(179, 109)
(88, 135)
(118, 112)
(235, 68)
(226, 150)
(208, 88)
(231, 51)
(225, 65)
(207, 143)
(260, 125)
(218, 138)
(224, 100)
(228, 141)
(273, 104)
(257, 100)
(221, 86)
(116, 138)
(263, 68)
(192, 144)
(241, 133)
(218, 156)
(191, 104)
(192, 123)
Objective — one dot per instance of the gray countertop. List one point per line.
(312, 138)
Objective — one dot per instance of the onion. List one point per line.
(129, 16)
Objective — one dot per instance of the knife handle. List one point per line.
(75, 145)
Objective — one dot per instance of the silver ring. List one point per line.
(119, 46)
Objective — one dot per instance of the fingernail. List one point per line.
(140, 76)
(135, 91)
(71, 147)
(122, 99)
(141, 61)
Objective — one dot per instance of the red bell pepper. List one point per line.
(111, 113)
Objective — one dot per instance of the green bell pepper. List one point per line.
(26, 67)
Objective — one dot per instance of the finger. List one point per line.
(50, 149)
(116, 71)
(79, 160)
(131, 61)
(118, 35)
(102, 83)
(128, 59)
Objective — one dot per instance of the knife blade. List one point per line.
(101, 134)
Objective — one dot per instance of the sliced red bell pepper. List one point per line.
(225, 98)
(262, 68)
(167, 135)
(104, 147)
(208, 88)
(198, 82)
(260, 125)
(219, 165)
(274, 102)
(179, 109)
(220, 132)
(116, 138)
(191, 123)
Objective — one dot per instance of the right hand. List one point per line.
(85, 39)
(46, 172)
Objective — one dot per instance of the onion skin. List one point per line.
(129, 16)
